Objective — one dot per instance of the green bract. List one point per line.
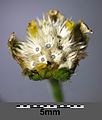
(62, 74)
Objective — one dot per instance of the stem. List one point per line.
(56, 90)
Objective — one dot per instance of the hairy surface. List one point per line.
(53, 48)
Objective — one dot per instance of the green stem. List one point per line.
(56, 90)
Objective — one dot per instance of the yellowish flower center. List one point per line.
(69, 24)
(40, 66)
(32, 28)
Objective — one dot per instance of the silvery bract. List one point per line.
(53, 48)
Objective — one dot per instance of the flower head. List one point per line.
(53, 48)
